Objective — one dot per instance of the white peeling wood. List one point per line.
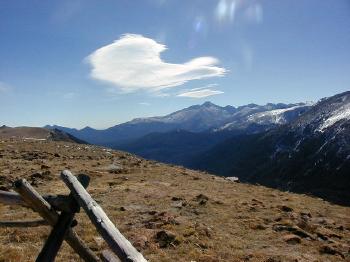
(116, 241)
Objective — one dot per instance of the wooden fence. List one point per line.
(59, 210)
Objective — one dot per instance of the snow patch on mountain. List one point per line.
(276, 116)
(266, 115)
(341, 114)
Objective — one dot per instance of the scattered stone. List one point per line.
(160, 219)
(218, 202)
(233, 179)
(326, 234)
(341, 228)
(166, 238)
(30, 156)
(305, 214)
(114, 169)
(305, 224)
(36, 175)
(176, 198)
(327, 249)
(292, 239)
(257, 202)
(247, 258)
(258, 227)
(285, 208)
(202, 199)
(203, 230)
(253, 209)
(113, 183)
(45, 167)
(323, 221)
(179, 204)
(273, 259)
(195, 211)
(140, 242)
(46, 173)
(293, 229)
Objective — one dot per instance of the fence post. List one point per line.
(40, 205)
(116, 241)
(55, 239)
(58, 202)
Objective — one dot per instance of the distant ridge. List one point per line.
(37, 133)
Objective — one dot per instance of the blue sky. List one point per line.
(98, 63)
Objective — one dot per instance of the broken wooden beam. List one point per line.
(11, 198)
(116, 241)
(58, 202)
(40, 205)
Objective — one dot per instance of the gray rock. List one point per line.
(233, 179)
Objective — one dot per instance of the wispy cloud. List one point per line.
(201, 92)
(133, 63)
(144, 104)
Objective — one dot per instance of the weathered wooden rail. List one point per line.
(59, 210)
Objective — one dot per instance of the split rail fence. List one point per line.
(58, 211)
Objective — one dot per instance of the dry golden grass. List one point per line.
(210, 218)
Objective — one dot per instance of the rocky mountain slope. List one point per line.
(171, 213)
(175, 147)
(311, 154)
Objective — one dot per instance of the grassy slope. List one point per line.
(237, 223)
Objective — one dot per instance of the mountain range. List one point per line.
(310, 154)
(302, 147)
(207, 117)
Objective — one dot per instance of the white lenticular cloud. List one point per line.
(133, 63)
(195, 93)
